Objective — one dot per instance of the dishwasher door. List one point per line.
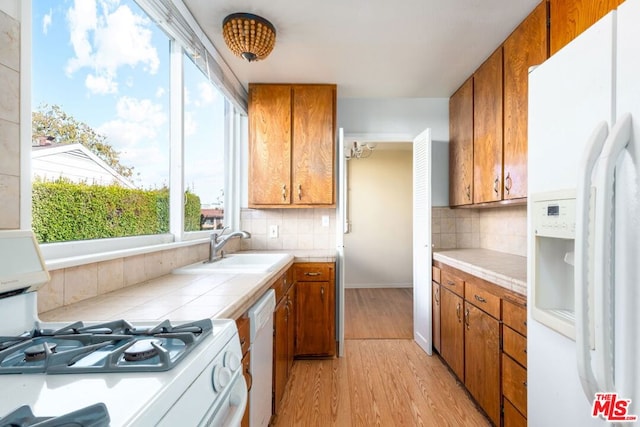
(261, 365)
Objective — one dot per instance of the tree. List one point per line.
(52, 121)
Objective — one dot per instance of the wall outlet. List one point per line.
(273, 231)
(325, 220)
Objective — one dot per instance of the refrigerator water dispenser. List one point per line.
(554, 225)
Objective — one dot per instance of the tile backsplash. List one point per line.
(9, 122)
(297, 229)
(73, 284)
(502, 229)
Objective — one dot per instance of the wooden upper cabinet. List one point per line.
(569, 18)
(270, 144)
(487, 130)
(313, 144)
(461, 145)
(291, 145)
(525, 47)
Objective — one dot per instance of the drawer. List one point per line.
(514, 383)
(452, 282)
(515, 345)
(435, 274)
(482, 299)
(513, 418)
(515, 316)
(243, 333)
(313, 272)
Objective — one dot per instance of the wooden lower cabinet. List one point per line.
(482, 336)
(482, 359)
(511, 416)
(283, 340)
(452, 331)
(246, 371)
(435, 317)
(315, 309)
(242, 323)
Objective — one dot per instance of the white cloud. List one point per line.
(207, 94)
(160, 92)
(46, 22)
(100, 85)
(135, 133)
(107, 40)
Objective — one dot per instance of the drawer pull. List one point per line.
(525, 323)
(242, 341)
(284, 192)
(458, 312)
(525, 351)
(450, 283)
(479, 298)
(524, 383)
(312, 273)
(322, 293)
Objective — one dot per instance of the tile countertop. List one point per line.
(182, 297)
(508, 271)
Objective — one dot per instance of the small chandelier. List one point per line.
(249, 36)
(359, 150)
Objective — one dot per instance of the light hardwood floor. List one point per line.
(378, 313)
(381, 381)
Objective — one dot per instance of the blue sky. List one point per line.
(105, 63)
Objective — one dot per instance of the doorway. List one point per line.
(378, 245)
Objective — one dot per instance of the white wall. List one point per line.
(378, 249)
(11, 8)
(408, 116)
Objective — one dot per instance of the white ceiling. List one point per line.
(370, 48)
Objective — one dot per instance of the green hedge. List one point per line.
(64, 211)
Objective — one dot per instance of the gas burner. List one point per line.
(95, 415)
(39, 352)
(142, 350)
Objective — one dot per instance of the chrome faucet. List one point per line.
(218, 241)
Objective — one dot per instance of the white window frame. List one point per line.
(80, 252)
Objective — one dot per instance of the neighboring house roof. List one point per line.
(73, 162)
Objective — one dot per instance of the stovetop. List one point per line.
(91, 416)
(115, 346)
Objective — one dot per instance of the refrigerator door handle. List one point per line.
(583, 203)
(603, 283)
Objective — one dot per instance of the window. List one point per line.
(102, 101)
(204, 147)
(100, 95)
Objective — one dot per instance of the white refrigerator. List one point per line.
(583, 332)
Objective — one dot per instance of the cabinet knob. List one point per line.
(458, 312)
(508, 183)
(322, 293)
(466, 318)
(299, 192)
(284, 191)
(496, 183)
(468, 192)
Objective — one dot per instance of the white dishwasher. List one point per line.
(261, 365)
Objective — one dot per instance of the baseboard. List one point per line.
(377, 285)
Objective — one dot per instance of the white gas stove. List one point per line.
(114, 373)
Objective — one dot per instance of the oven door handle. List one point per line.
(234, 402)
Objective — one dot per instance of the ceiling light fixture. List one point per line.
(249, 36)
(359, 150)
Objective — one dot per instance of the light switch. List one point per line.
(273, 231)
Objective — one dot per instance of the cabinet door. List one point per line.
(313, 144)
(569, 18)
(461, 145)
(452, 331)
(291, 328)
(435, 298)
(482, 360)
(315, 321)
(269, 144)
(280, 345)
(487, 130)
(525, 47)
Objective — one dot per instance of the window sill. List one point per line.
(54, 263)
